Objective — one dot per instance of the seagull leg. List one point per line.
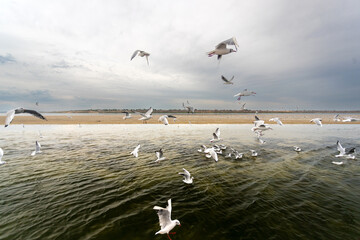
(172, 232)
(169, 237)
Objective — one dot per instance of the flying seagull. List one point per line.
(166, 223)
(350, 119)
(127, 115)
(242, 107)
(226, 81)
(221, 49)
(11, 114)
(253, 153)
(1, 155)
(347, 154)
(337, 118)
(164, 119)
(317, 121)
(159, 155)
(141, 54)
(244, 93)
(135, 152)
(277, 120)
(210, 152)
(187, 179)
(216, 136)
(147, 115)
(37, 148)
(189, 108)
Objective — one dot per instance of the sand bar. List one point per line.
(245, 118)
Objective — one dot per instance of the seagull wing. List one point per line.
(350, 151)
(230, 41)
(134, 54)
(37, 146)
(214, 154)
(221, 45)
(149, 112)
(340, 148)
(164, 214)
(217, 132)
(9, 117)
(34, 113)
(224, 79)
(1, 153)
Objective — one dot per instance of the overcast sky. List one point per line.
(76, 54)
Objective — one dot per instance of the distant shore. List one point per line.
(244, 118)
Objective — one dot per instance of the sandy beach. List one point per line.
(245, 118)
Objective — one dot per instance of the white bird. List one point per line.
(226, 81)
(350, 119)
(1, 155)
(337, 118)
(11, 114)
(127, 115)
(141, 54)
(164, 119)
(221, 49)
(297, 149)
(258, 121)
(135, 152)
(253, 153)
(261, 141)
(187, 179)
(166, 223)
(202, 149)
(317, 121)
(261, 127)
(147, 115)
(37, 148)
(210, 152)
(159, 155)
(337, 163)
(277, 120)
(342, 153)
(238, 155)
(188, 107)
(244, 93)
(216, 136)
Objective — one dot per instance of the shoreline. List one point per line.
(181, 119)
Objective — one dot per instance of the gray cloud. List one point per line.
(8, 58)
(294, 55)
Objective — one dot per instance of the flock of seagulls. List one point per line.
(164, 214)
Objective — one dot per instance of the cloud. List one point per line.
(7, 59)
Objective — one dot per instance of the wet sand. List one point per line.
(245, 118)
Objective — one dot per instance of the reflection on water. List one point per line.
(85, 184)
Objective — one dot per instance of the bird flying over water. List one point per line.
(187, 179)
(159, 155)
(297, 149)
(277, 120)
(135, 152)
(164, 119)
(141, 54)
(350, 119)
(147, 115)
(317, 121)
(127, 115)
(244, 93)
(11, 114)
(216, 136)
(221, 49)
(226, 81)
(343, 153)
(37, 148)
(189, 108)
(1, 155)
(166, 223)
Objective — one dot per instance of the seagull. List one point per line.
(159, 155)
(147, 115)
(244, 93)
(164, 119)
(127, 115)
(221, 49)
(216, 136)
(297, 149)
(337, 163)
(37, 103)
(37, 148)
(277, 120)
(1, 155)
(227, 81)
(11, 114)
(253, 153)
(202, 149)
(261, 141)
(166, 223)
(141, 54)
(238, 155)
(337, 118)
(210, 152)
(258, 121)
(261, 127)
(317, 121)
(135, 152)
(350, 119)
(186, 176)
(189, 108)
(348, 154)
